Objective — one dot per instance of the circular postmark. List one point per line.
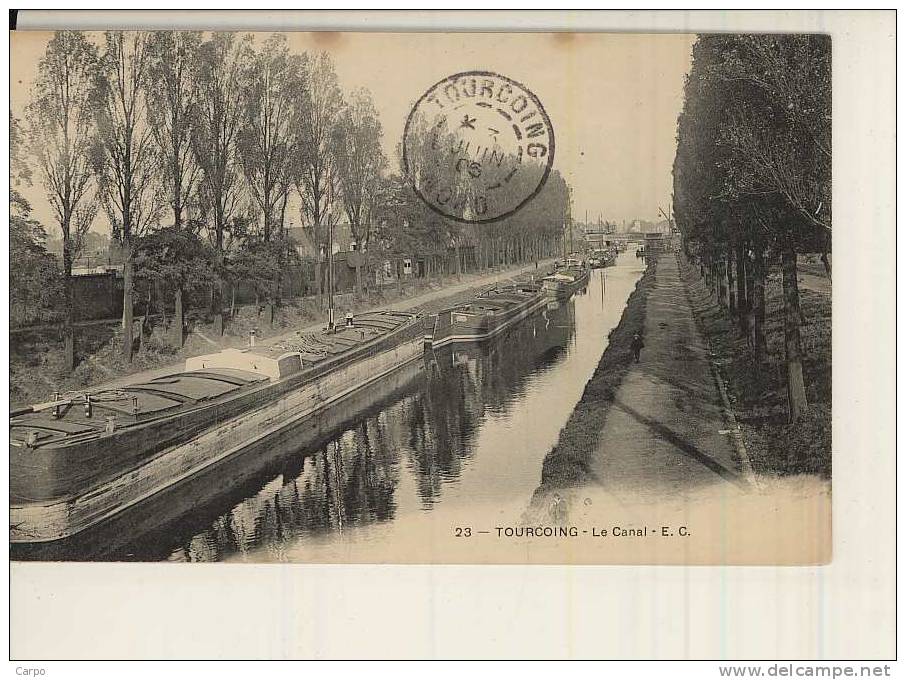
(477, 146)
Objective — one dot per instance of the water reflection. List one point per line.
(469, 383)
(470, 423)
(426, 435)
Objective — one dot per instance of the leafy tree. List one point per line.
(407, 227)
(262, 264)
(61, 125)
(421, 231)
(317, 180)
(172, 57)
(217, 116)
(360, 164)
(781, 138)
(781, 126)
(124, 155)
(178, 261)
(36, 288)
(19, 169)
(268, 142)
(752, 174)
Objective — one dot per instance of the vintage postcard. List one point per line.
(511, 335)
(421, 298)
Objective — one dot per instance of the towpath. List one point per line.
(430, 298)
(665, 433)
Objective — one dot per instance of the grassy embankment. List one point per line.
(36, 367)
(567, 464)
(758, 393)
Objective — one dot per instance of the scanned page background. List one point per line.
(593, 611)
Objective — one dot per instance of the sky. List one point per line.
(613, 99)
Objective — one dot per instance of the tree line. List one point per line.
(752, 176)
(200, 148)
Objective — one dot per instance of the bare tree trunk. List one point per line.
(217, 307)
(319, 287)
(759, 304)
(178, 323)
(742, 291)
(749, 278)
(722, 294)
(143, 326)
(68, 331)
(127, 304)
(217, 294)
(458, 261)
(796, 398)
(732, 300)
(369, 274)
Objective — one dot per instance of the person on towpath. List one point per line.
(636, 345)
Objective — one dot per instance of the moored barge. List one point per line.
(598, 259)
(488, 315)
(564, 282)
(94, 454)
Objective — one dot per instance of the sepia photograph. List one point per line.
(446, 297)
(281, 302)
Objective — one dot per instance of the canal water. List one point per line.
(450, 445)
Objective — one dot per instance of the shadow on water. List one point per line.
(341, 469)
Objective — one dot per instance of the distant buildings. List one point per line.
(596, 235)
(646, 227)
(308, 247)
(603, 235)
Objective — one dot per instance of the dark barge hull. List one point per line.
(561, 289)
(60, 488)
(454, 326)
(148, 530)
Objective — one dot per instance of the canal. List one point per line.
(445, 446)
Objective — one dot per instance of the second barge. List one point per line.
(487, 315)
(564, 282)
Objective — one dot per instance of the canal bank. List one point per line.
(32, 381)
(653, 427)
(758, 389)
(568, 463)
(651, 460)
